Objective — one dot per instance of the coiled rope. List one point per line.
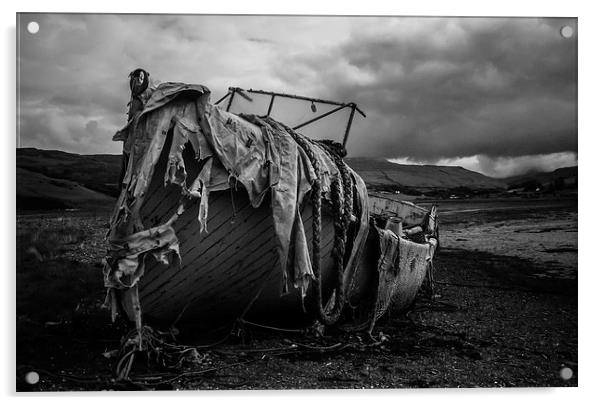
(341, 190)
(342, 204)
(343, 211)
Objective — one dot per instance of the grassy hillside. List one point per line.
(417, 179)
(95, 172)
(36, 191)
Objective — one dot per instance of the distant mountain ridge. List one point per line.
(56, 179)
(379, 173)
(568, 176)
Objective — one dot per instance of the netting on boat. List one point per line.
(390, 275)
(402, 265)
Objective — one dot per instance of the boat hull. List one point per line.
(231, 268)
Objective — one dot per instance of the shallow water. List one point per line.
(540, 231)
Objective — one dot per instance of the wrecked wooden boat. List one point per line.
(225, 216)
(397, 260)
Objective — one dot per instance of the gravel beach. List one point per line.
(504, 314)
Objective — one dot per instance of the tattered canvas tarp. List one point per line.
(257, 154)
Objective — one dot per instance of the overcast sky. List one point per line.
(497, 95)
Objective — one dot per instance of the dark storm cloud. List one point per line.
(435, 89)
(440, 88)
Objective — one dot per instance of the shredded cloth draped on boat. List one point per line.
(402, 264)
(389, 279)
(256, 153)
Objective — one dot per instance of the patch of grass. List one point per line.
(60, 323)
(46, 240)
(49, 287)
(52, 289)
(50, 283)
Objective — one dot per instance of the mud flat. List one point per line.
(502, 317)
(541, 231)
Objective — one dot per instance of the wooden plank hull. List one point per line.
(230, 267)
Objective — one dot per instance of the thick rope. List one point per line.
(342, 202)
(342, 209)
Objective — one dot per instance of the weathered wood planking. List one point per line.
(410, 213)
(224, 269)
